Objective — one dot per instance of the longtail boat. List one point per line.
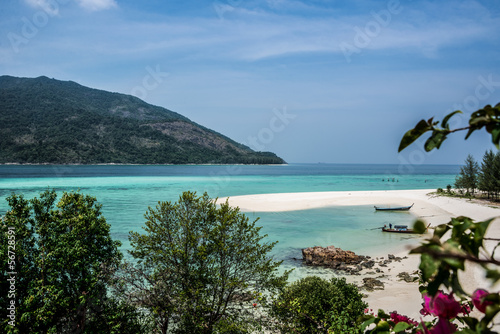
(401, 208)
(400, 229)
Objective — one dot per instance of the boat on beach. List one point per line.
(401, 208)
(400, 229)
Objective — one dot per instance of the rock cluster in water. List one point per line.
(352, 264)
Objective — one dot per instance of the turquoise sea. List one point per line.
(126, 191)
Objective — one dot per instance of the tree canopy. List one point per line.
(60, 267)
(468, 177)
(208, 266)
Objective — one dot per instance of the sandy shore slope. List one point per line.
(397, 295)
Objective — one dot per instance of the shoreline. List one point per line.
(397, 294)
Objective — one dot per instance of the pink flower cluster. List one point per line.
(445, 307)
(396, 317)
(442, 305)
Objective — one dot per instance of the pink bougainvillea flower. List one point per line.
(426, 305)
(442, 305)
(465, 309)
(396, 317)
(445, 306)
(478, 299)
(443, 326)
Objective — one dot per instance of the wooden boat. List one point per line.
(400, 229)
(401, 208)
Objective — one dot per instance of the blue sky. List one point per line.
(312, 81)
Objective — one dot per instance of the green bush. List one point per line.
(315, 305)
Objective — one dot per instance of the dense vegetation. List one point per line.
(314, 305)
(198, 268)
(44, 120)
(57, 264)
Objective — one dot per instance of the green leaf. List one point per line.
(440, 230)
(435, 140)
(368, 323)
(471, 130)
(493, 275)
(490, 312)
(411, 135)
(444, 123)
(455, 263)
(419, 227)
(428, 266)
(401, 327)
(479, 120)
(495, 136)
(470, 321)
(383, 326)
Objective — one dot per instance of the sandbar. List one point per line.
(434, 210)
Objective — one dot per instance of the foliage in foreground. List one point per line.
(59, 260)
(201, 268)
(313, 305)
(445, 254)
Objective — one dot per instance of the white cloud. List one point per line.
(48, 6)
(96, 5)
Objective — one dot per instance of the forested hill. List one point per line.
(45, 120)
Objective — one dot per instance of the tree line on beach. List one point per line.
(483, 178)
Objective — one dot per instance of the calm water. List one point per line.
(126, 192)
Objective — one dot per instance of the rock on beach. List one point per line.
(330, 256)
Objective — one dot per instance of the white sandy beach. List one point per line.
(435, 210)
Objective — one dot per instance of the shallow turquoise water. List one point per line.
(126, 192)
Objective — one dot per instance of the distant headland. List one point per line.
(48, 121)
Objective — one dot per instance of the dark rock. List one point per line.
(371, 284)
(330, 256)
(406, 277)
(368, 264)
(352, 271)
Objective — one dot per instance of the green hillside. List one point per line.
(45, 120)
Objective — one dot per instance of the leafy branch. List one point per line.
(488, 117)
